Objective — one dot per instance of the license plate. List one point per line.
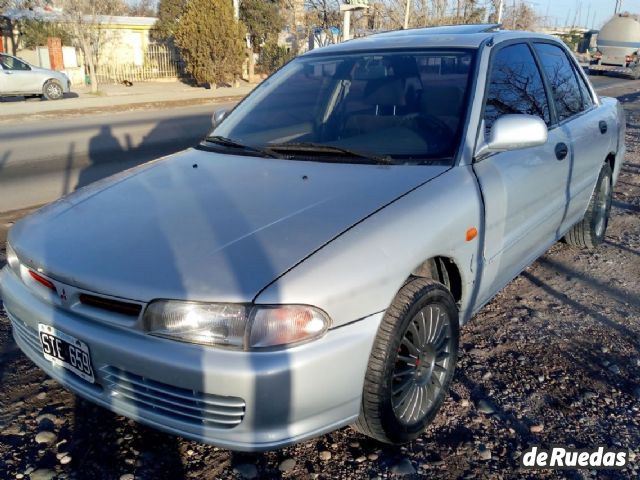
(66, 351)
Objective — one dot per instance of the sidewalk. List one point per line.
(118, 98)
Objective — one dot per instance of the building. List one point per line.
(294, 36)
(122, 47)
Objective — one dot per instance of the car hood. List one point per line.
(204, 226)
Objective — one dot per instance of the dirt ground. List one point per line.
(554, 359)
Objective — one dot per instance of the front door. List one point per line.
(525, 191)
(17, 76)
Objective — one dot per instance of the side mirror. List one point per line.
(218, 116)
(514, 132)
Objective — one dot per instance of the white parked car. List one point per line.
(19, 78)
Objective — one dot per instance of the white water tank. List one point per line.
(618, 38)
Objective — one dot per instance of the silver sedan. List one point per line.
(310, 263)
(19, 78)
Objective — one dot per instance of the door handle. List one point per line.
(561, 151)
(603, 127)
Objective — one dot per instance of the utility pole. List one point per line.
(546, 14)
(236, 9)
(406, 14)
(500, 6)
(346, 9)
(346, 25)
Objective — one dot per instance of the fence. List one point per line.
(159, 61)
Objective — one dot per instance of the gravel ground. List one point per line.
(554, 359)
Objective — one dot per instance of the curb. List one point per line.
(127, 107)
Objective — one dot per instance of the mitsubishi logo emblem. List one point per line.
(63, 295)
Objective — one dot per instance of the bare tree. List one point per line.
(520, 16)
(323, 13)
(8, 24)
(493, 12)
(85, 18)
(425, 13)
(142, 8)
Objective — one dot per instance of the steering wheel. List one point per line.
(432, 129)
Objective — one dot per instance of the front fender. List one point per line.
(62, 79)
(360, 272)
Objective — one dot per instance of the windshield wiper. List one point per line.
(228, 142)
(309, 147)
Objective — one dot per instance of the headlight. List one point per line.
(233, 325)
(12, 259)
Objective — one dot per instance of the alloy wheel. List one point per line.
(603, 204)
(422, 363)
(54, 90)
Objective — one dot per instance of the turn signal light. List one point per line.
(472, 233)
(41, 280)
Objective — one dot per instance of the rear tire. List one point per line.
(411, 364)
(52, 90)
(590, 231)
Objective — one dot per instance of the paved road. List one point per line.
(141, 96)
(43, 160)
(602, 83)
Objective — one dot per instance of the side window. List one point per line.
(562, 78)
(587, 100)
(515, 86)
(10, 63)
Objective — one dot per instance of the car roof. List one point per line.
(450, 36)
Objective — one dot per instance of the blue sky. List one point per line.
(559, 10)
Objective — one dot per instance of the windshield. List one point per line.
(406, 107)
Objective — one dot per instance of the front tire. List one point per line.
(590, 231)
(52, 90)
(411, 364)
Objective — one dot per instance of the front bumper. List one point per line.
(239, 400)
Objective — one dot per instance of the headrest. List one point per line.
(387, 91)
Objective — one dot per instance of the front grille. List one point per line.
(181, 404)
(116, 306)
(27, 334)
(184, 405)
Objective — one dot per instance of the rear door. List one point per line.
(524, 191)
(587, 127)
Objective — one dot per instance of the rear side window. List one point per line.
(562, 78)
(515, 86)
(587, 101)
